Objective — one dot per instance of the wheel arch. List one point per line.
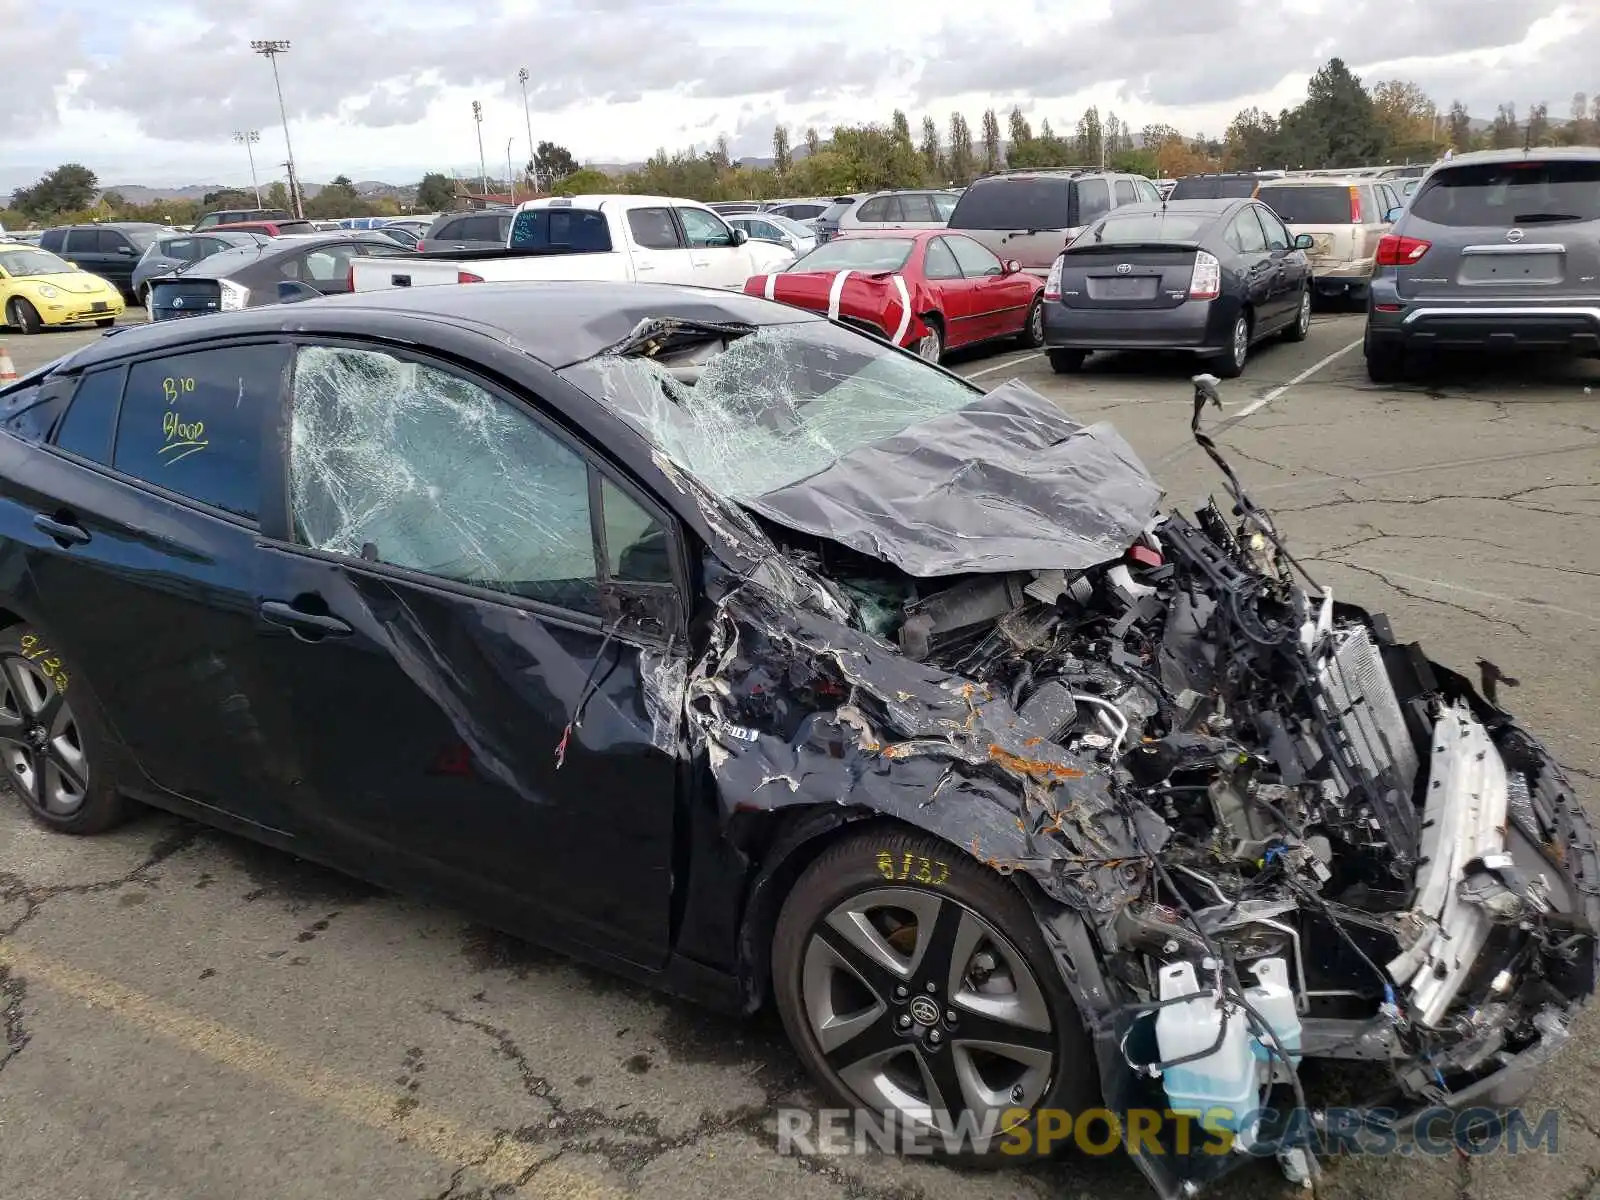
(799, 838)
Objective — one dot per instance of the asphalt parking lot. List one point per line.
(185, 1015)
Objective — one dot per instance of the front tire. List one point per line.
(930, 347)
(51, 743)
(1032, 336)
(22, 316)
(912, 981)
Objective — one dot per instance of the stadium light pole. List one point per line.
(511, 180)
(248, 138)
(522, 78)
(270, 50)
(483, 164)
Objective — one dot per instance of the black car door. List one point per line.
(1255, 267)
(142, 545)
(85, 249)
(471, 708)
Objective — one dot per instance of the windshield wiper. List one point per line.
(1533, 218)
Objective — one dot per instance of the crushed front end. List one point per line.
(1274, 849)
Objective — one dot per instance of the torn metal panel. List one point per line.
(822, 433)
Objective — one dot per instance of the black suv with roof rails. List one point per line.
(1221, 185)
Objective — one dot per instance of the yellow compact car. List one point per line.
(37, 289)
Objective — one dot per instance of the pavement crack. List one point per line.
(12, 1030)
(1418, 596)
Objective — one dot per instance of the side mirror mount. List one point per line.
(1393, 215)
(1302, 241)
(740, 237)
(292, 291)
(126, 251)
(1012, 266)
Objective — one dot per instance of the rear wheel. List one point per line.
(22, 316)
(1386, 362)
(1230, 363)
(1301, 325)
(1067, 362)
(915, 983)
(930, 347)
(51, 744)
(1033, 331)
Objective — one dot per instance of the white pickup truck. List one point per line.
(634, 239)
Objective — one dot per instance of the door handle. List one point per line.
(308, 626)
(67, 532)
(639, 266)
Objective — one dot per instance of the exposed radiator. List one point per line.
(1357, 685)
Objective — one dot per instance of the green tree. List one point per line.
(900, 127)
(436, 192)
(1580, 130)
(1336, 126)
(1505, 132)
(1458, 126)
(1090, 137)
(585, 181)
(1537, 129)
(1249, 143)
(552, 163)
(991, 141)
(813, 140)
(1018, 131)
(338, 198)
(932, 161)
(962, 166)
(69, 188)
(780, 149)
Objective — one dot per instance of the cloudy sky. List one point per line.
(151, 92)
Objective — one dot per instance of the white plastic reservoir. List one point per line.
(1233, 1077)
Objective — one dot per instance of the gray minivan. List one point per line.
(1030, 216)
(1497, 249)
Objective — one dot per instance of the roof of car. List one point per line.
(1320, 181)
(112, 225)
(557, 323)
(1217, 204)
(1532, 154)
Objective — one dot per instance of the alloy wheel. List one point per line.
(1036, 325)
(1241, 341)
(41, 743)
(931, 347)
(924, 1010)
(1303, 321)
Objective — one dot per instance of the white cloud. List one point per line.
(153, 94)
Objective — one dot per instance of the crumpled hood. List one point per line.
(1009, 483)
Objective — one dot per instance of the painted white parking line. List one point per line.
(1257, 404)
(1005, 366)
(1268, 398)
(1423, 468)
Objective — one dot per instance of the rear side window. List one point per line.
(1508, 194)
(1244, 232)
(52, 239)
(918, 207)
(1309, 205)
(1094, 200)
(876, 209)
(561, 228)
(86, 429)
(191, 423)
(1124, 192)
(1038, 203)
(654, 229)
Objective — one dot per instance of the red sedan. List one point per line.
(929, 290)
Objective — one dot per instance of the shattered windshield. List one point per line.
(843, 437)
(778, 405)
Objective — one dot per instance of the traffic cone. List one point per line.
(8, 369)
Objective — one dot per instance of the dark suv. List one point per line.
(1031, 215)
(110, 250)
(1497, 249)
(232, 216)
(1221, 185)
(469, 230)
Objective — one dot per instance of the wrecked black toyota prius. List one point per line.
(751, 657)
